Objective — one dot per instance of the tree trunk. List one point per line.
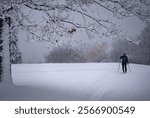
(1, 26)
(6, 66)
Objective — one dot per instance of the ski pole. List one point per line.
(119, 67)
(129, 68)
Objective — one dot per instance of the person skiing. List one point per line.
(124, 60)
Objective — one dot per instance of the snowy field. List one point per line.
(91, 81)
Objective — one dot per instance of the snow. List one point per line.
(88, 81)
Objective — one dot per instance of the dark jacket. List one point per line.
(124, 59)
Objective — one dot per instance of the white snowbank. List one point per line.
(89, 81)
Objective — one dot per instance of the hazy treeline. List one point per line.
(137, 52)
(68, 54)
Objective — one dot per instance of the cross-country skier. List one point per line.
(124, 60)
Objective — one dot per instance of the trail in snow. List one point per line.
(91, 81)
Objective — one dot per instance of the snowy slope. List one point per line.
(91, 81)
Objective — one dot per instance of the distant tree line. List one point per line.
(68, 54)
(138, 52)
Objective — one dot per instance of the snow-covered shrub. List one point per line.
(64, 55)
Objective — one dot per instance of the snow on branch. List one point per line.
(56, 20)
(132, 41)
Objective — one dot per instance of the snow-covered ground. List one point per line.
(89, 81)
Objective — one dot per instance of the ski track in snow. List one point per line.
(93, 81)
(96, 88)
(102, 89)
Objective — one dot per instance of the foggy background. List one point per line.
(33, 51)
